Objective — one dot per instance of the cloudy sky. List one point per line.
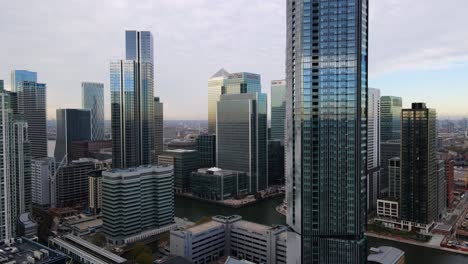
(418, 48)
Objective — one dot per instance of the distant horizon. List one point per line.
(410, 56)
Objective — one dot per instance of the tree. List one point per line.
(144, 258)
(99, 240)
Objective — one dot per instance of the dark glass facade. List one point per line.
(418, 201)
(72, 125)
(326, 142)
(217, 184)
(275, 162)
(206, 147)
(184, 162)
(32, 106)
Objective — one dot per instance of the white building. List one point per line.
(230, 236)
(373, 148)
(41, 169)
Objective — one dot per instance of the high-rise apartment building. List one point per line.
(92, 98)
(373, 148)
(132, 102)
(137, 202)
(15, 166)
(42, 170)
(158, 128)
(72, 125)
(418, 198)
(394, 177)
(278, 109)
(326, 141)
(95, 191)
(206, 147)
(449, 171)
(390, 117)
(216, 85)
(241, 136)
(20, 76)
(32, 106)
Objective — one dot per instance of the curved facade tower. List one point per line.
(326, 142)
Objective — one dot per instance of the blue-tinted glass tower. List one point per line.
(132, 102)
(326, 159)
(19, 76)
(92, 98)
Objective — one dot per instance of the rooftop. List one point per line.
(251, 226)
(217, 171)
(221, 73)
(196, 229)
(385, 255)
(179, 150)
(24, 249)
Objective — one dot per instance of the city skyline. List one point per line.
(418, 66)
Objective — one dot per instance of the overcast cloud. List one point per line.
(69, 41)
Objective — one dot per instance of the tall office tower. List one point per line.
(72, 125)
(373, 148)
(184, 162)
(242, 82)
(441, 190)
(1, 85)
(20, 76)
(275, 162)
(326, 76)
(137, 202)
(449, 171)
(71, 183)
(132, 102)
(388, 149)
(216, 86)
(158, 128)
(32, 106)
(15, 166)
(278, 109)
(206, 147)
(42, 169)
(394, 177)
(241, 137)
(92, 98)
(418, 201)
(390, 117)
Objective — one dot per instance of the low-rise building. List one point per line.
(23, 250)
(386, 255)
(82, 251)
(218, 184)
(230, 236)
(388, 215)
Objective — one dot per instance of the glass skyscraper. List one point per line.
(390, 120)
(241, 136)
(216, 85)
(132, 102)
(19, 76)
(32, 106)
(373, 148)
(158, 128)
(326, 141)
(92, 98)
(72, 125)
(278, 109)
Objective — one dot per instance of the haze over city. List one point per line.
(414, 52)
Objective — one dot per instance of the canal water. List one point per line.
(264, 212)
